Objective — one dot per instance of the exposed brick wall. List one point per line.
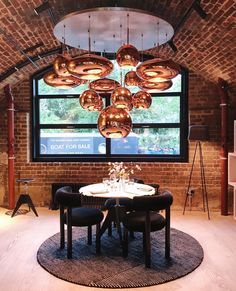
(204, 108)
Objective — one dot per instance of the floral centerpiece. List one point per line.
(121, 170)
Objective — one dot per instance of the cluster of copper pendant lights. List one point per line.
(114, 121)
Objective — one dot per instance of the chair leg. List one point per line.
(98, 239)
(147, 249)
(144, 243)
(62, 228)
(131, 234)
(126, 243)
(110, 230)
(167, 234)
(147, 239)
(69, 234)
(89, 234)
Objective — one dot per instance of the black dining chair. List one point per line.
(78, 216)
(146, 218)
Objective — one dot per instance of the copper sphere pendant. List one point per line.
(127, 56)
(90, 100)
(114, 122)
(132, 79)
(59, 65)
(155, 87)
(99, 106)
(122, 98)
(158, 70)
(142, 100)
(104, 85)
(90, 67)
(52, 79)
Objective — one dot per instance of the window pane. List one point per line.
(65, 111)
(71, 142)
(162, 110)
(148, 141)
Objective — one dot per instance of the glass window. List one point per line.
(64, 131)
(71, 142)
(64, 111)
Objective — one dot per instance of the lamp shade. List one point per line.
(132, 79)
(52, 79)
(90, 67)
(122, 98)
(142, 100)
(127, 56)
(114, 122)
(91, 101)
(104, 85)
(59, 65)
(158, 70)
(155, 86)
(198, 132)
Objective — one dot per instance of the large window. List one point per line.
(63, 131)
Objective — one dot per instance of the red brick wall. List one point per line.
(204, 108)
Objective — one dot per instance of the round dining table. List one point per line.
(127, 191)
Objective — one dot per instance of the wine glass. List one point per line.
(105, 182)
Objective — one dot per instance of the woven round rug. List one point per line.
(111, 270)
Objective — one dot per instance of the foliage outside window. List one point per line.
(64, 131)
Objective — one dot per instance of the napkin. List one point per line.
(144, 188)
(99, 191)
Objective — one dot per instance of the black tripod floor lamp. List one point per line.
(197, 133)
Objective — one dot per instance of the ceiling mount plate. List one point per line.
(108, 29)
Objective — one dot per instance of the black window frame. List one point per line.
(182, 125)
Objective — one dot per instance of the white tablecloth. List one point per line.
(130, 191)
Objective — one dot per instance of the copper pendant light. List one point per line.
(122, 98)
(52, 79)
(90, 100)
(59, 65)
(155, 86)
(90, 67)
(142, 100)
(132, 79)
(114, 122)
(158, 70)
(104, 85)
(127, 56)
(99, 106)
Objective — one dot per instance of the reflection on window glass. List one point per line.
(65, 111)
(148, 141)
(162, 110)
(71, 142)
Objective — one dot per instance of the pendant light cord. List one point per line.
(89, 37)
(128, 28)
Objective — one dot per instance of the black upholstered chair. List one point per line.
(75, 215)
(146, 218)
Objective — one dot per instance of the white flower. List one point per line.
(121, 170)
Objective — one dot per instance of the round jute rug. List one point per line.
(111, 270)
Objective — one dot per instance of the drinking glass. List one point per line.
(131, 184)
(113, 183)
(105, 182)
(126, 182)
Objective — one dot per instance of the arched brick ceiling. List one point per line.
(205, 46)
